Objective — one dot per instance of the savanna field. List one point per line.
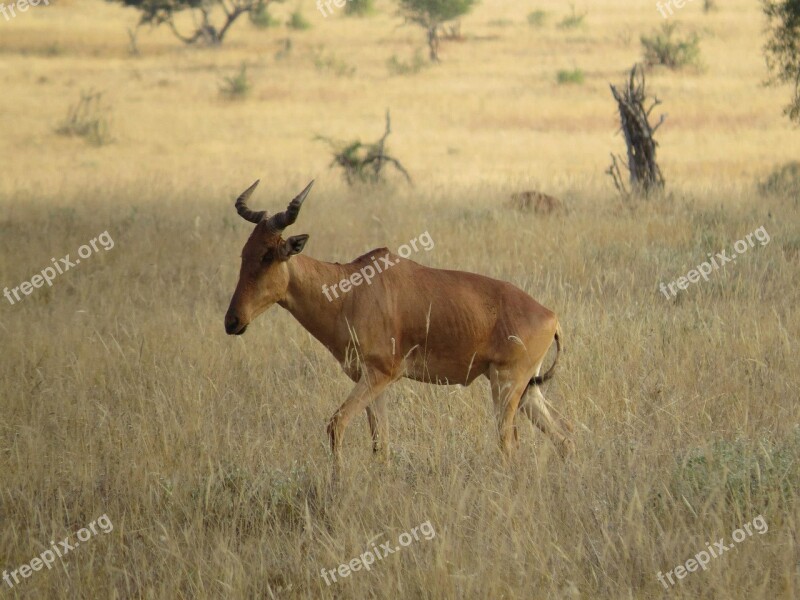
(201, 460)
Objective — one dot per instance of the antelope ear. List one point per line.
(294, 245)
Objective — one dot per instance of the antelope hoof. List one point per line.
(381, 452)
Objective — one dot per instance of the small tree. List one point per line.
(163, 12)
(782, 49)
(431, 15)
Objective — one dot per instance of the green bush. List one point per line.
(331, 62)
(537, 18)
(359, 8)
(237, 86)
(397, 66)
(298, 21)
(573, 76)
(261, 17)
(664, 48)
(573, 20)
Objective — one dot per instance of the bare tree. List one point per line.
(644, 173)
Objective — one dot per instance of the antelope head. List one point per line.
(264, 274)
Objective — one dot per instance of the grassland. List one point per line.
(121, 395)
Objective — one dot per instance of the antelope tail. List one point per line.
(540, 379)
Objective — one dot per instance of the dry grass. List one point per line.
(120, 393)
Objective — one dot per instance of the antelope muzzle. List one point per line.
(233, 325)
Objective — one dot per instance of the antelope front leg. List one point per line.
(366, 390)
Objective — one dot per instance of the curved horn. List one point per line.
(282, 220)
(241, 206)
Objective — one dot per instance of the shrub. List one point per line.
(87, 119)
(359, 8)
(400, 67)
(537, 18)
(330, 62)
(298, 21)
(54, 49)
(261, 18)
(573, 76)
(664, 48)
(573, 20)
(237, 86)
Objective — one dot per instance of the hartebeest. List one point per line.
(430, 325)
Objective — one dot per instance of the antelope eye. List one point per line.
(267, 257)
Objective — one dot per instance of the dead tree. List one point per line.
(644, 174)
(364, 162)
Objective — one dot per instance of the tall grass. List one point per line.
(208, 452)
